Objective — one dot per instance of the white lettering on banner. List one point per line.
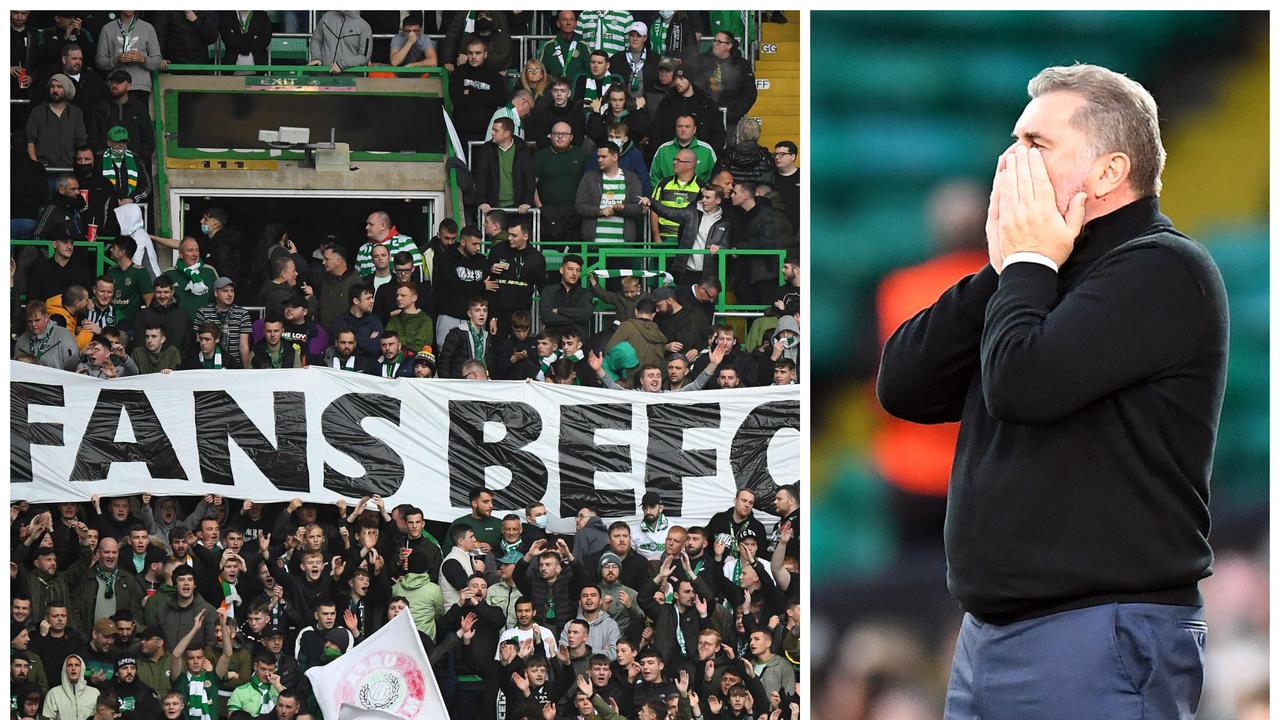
(768, 48)
(321, 435)
(762, 84)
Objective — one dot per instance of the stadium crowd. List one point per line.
(616, 131)
(620, 129)
(148, 607)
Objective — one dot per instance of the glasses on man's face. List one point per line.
(561, 134)
(682, 162)
(718, 41)
(782, 153)
(406, 271)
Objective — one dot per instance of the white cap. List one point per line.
(638, 28)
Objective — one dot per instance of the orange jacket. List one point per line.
(917, 458)
(56, 310)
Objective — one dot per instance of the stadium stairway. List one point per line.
(778, 81)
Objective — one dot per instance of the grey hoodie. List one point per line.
(139, 35)
(160, 529)
(590, 539)
(71, 701)
(341, 37)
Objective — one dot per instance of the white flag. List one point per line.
(388, 672)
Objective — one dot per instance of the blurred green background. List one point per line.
(904, 101)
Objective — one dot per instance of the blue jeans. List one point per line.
(1117, 661)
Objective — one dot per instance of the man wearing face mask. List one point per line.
(124, 177)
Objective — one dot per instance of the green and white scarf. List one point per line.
(545, 363)
(195, 284)
(198, 703)
(478, 343)
(108, 579)
(214, 363)
(110, 162)
(349, 364)
(667, 278)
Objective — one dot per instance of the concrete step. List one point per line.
(788, 125)
(776, 106)
(774, 87)
(774, 32)
(778, 73)
(784, 50)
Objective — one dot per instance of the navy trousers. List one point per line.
(1112, 662)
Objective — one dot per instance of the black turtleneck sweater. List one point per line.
(1089, 402)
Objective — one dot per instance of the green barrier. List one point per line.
(99, 248)
(308, 69)
(605, 251)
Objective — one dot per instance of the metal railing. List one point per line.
(98, 247)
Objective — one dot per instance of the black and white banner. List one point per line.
(321, 435)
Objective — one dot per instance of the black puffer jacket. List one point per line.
(748, 162)
(183, 41)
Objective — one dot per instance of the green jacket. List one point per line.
(192, 294)
(663, 165)
(426, 601)
(414, 330)
(169, 358)
(248, 698)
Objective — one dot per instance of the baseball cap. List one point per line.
(120, 76)
(150, 634)
(118, 133)
(294, 300)
(222, 282)
(669, 63)
(638, 28)
(650, 499)
(104, 626)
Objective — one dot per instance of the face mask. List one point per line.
(541, 521)
(84, 172)
(666, 14)
(114, 153)
(77, 201)
(204, 228)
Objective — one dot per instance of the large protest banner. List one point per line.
(321, 434)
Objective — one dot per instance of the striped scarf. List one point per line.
(390, 367)
(349, 364)
(214, 363)
(545, 363)
(125, 180)
(198, 703)
(606, 274)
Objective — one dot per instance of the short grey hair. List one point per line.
(1119, 115)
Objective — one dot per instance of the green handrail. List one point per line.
(662, 254)
(97, 246)
(307, 69)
